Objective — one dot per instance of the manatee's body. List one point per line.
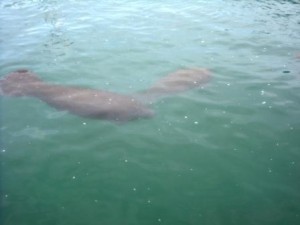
(100, 104)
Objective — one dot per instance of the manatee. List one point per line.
(101, 104)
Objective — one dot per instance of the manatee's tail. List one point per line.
(179, 81)
(18, 83)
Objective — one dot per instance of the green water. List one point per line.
(225, 154)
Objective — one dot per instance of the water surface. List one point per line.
(225, 154)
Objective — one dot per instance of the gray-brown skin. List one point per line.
(99, 104)
(178, 81)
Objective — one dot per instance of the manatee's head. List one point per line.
(18, 83)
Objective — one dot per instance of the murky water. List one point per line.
(225, 154)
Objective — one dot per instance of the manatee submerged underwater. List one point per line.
(101, 104)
